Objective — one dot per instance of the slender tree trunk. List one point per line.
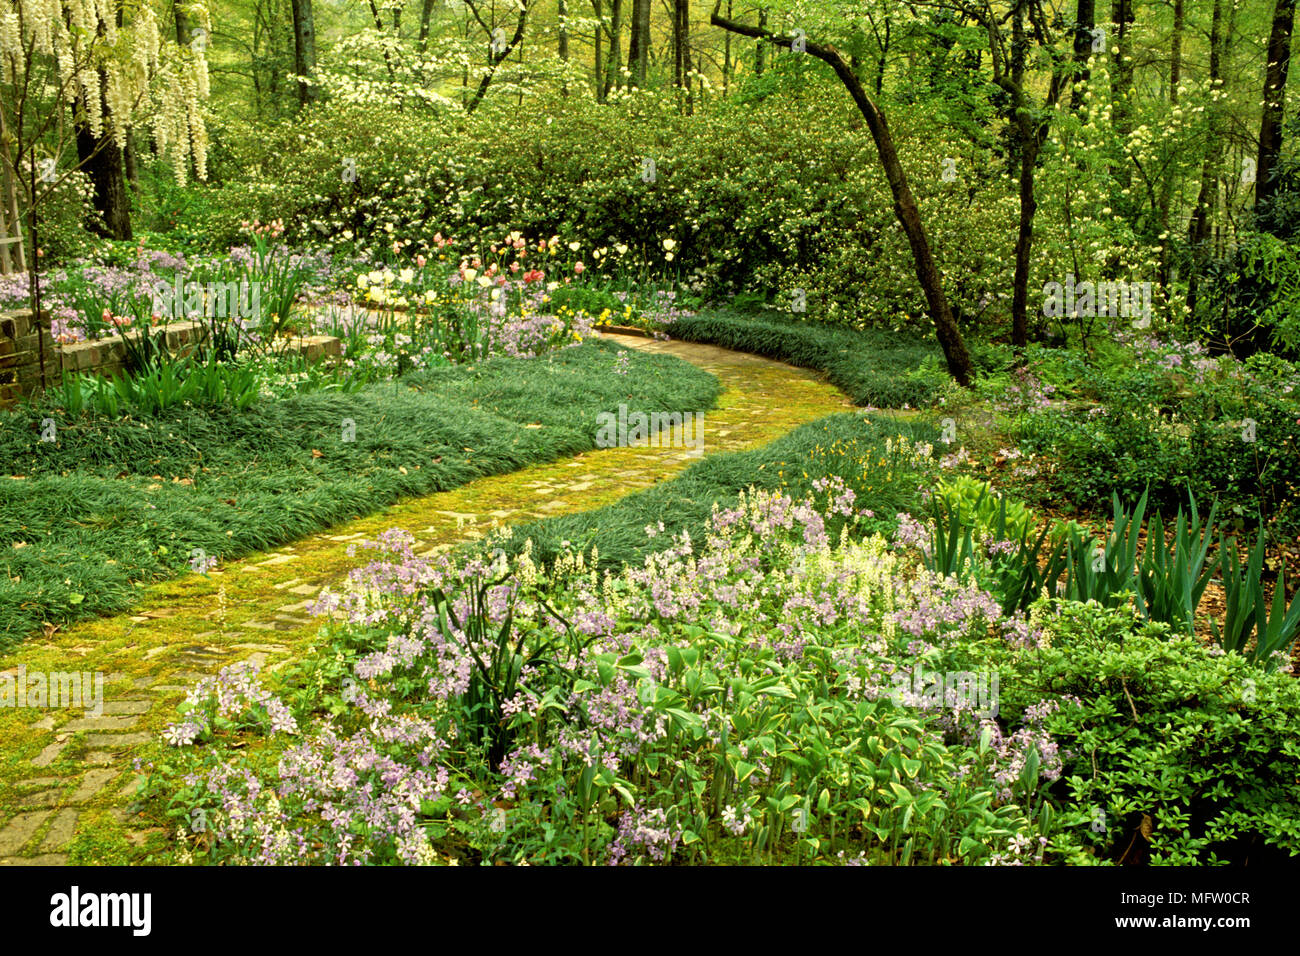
(726, 57)
(1085, 20)
(1198, 229)
(1167, 184)
(1270, 126)
(760, 49)
(497, 57)
(905, 208)
(682, 50)
(1122, 81)
(183, 24)
(1176, 51)
(426, 14)
(562, 13)
(598, 8)
(615, 66)
(304, 48)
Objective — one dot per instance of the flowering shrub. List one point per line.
(721, 702)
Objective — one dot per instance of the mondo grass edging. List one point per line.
(848, 444)
(874, 368)
(114, 504)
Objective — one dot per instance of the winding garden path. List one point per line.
(67, 781)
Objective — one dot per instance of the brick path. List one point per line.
(67, 783)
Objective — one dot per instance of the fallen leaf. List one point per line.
(317, 453)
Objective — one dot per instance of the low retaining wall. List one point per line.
(20, 364)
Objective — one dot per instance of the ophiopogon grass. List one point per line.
(114, 503)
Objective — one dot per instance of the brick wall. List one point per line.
(20, 369)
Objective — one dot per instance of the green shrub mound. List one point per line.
(1178, 752)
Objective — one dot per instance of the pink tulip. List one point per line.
(578, 267)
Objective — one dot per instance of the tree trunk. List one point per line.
(304, 48)
(1270, 126)
(1122, 81)
(132, 173)
(1085, 20)
(905, 208)
(638, 50)
(101, 160)
(1167, 184)
(426, 14)
(598, 8)
(615, 67)
(1024, 242)
(682, 50)
(562, 13)
(1176, 51)
(183, 24)
(1198, 229)
(496, 58)
(760, 49)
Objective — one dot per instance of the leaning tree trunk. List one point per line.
(497, 57)
(905, 208)
(1270, 126)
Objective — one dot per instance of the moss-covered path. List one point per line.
(67, 779)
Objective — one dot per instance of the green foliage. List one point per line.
(1168, 428)
(161, 386)
(884, 480)
(873, 367)
(1177, 753)
(983, 511)
(1248, 614)
(812, 215)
